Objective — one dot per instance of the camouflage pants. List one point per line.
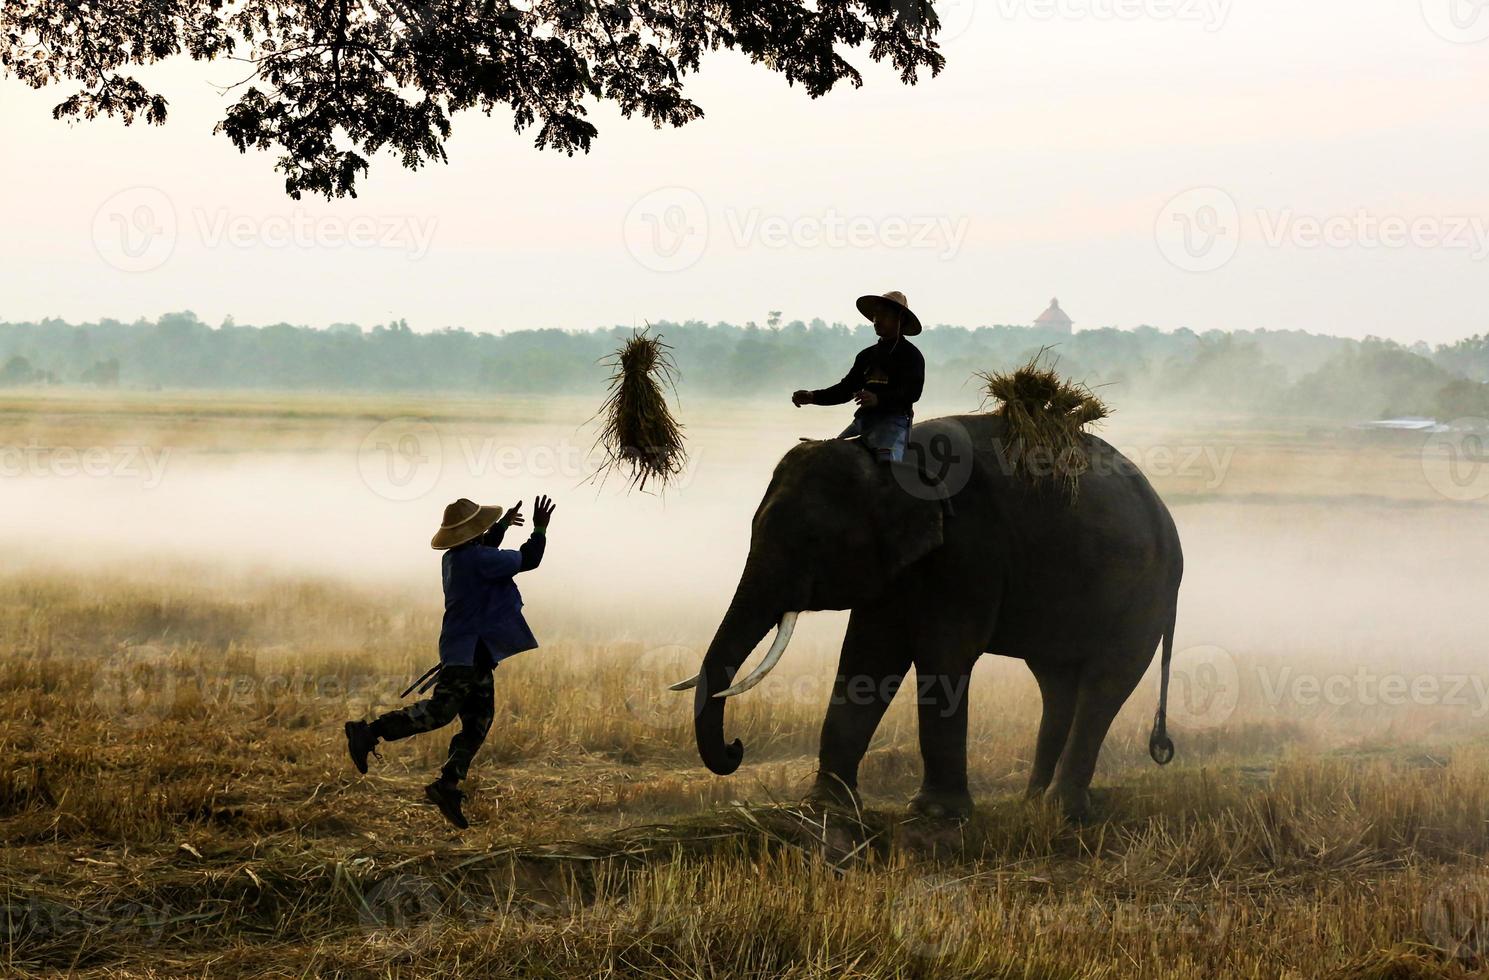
(463, 691)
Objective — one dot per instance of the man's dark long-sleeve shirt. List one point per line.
(894, 370)
(481, 599)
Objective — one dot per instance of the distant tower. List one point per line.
(1054, 320)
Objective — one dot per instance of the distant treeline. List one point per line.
(1270, 371)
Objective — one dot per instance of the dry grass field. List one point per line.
(179, 649)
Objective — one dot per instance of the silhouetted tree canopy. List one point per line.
(327, 83)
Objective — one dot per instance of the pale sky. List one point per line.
(1204, 163)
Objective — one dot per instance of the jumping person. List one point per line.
(483, 626)
(885, 380)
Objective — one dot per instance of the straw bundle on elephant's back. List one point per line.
(637, 428)
(1045, 416)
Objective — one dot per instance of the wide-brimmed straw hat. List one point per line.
(909, 322)
(465, 520)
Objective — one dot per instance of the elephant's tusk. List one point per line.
(777, 650)
(686, 685)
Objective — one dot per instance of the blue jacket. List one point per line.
(481, 599)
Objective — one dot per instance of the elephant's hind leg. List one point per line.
(1102, 690)
(1057, 689)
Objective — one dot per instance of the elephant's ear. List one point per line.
(911, 519)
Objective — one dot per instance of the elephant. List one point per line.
(1080, 587)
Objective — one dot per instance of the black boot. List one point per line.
(360, 740)
(447, 797)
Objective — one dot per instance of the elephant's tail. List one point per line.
(1160, 746)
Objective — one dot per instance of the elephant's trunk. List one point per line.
(751, 615)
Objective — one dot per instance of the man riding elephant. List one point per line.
(885, 380)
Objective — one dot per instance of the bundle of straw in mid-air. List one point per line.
(1044, 416)
(637, 429)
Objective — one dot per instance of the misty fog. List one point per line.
(1340, 554)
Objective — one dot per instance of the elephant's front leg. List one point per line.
(875, 657)
(941, 697)
(944, 659)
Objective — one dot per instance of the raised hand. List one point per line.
(542, 512)
(513, 517)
